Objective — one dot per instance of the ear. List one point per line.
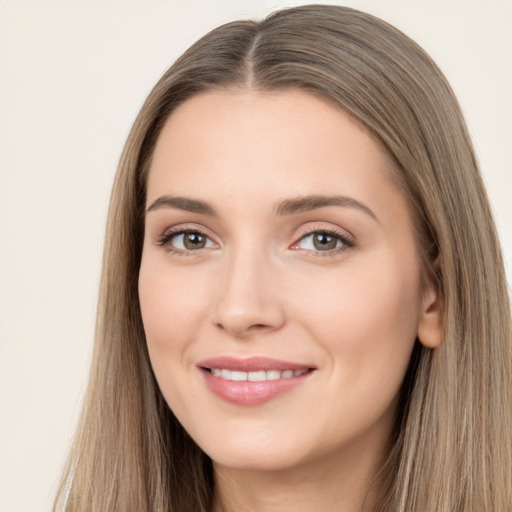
(430, 326)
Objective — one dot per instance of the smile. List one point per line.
(256, 376)
(252, 381)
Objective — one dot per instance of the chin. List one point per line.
(255, 461)
(247, 455)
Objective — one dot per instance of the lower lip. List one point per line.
(249, 393)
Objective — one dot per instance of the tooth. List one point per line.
(273, 374)
(257, 376)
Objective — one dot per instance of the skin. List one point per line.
(260, 286)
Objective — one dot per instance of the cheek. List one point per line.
(173, 308)
(171, 304)
(366, 320)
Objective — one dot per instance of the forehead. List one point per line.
(257, 147)
(241, 127)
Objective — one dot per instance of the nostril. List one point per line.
(258, 327)
(240, 331)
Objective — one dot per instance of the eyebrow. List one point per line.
(183, 203)
(283, 208)
(307, 203)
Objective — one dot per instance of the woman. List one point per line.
(303, 300)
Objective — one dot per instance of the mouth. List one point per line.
(256, 376)
(252, 381)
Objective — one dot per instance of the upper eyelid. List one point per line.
(316, 227)
(186, 228)
(344, 239)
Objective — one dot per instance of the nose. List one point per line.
(248, 300)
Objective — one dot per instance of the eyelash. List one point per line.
(347, 243)
(165, 239)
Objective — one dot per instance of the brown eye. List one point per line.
(324, 242)
(193, 241)
(186, 241)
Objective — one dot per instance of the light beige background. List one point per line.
(73, 75)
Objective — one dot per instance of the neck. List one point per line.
(341, 482)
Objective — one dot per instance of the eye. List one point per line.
(186, 240)
(323, 241)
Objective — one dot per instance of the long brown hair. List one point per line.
(452, 448)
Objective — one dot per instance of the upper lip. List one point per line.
(251, 364)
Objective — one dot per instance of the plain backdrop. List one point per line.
(73, 75)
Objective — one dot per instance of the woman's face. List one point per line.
(280, 284)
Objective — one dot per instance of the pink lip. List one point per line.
(248, 393)
(250, 364)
